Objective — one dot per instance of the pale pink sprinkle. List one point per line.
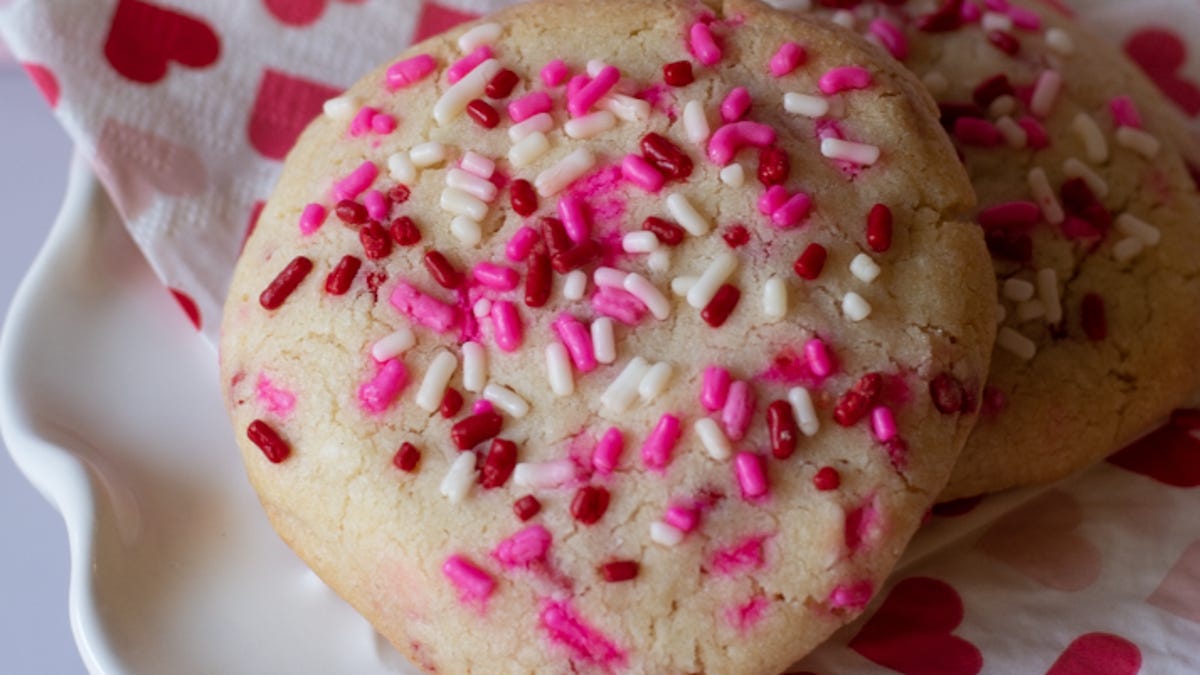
(473, 583)
(461, 68)
(682, 518)
(576, 84)
(524, 548)
(312, 218)
(383, 123)
(746, 555)
(641, 173)
(793, 212)
(977, 132)
(506, 324)
(521, 243)
(735, 105)
(585, 643)
(1010, 215)
(751, 476)
(725, 143)
(618, 304)
(477, 165)
(844, 78)
(496, 277)
(359, 180)
(891, 37)
(1035, 132)
(482, 406)
(608, 452)
(656, 451)
(738, 410)
(376, 204)
(714, 389)
(788, 58)
(703, 45)
(425, 310)
(582, 101)
(529, 105)
(574, 218)
(816, 353)
(772, 199)
(578, 340)
(276, 401)
(361, 123)
(883, 423)
(1125, 112)
(854, 596)
(745, 616)
(554, 73)
(1025, 18)
(378, 393)
(410, 71)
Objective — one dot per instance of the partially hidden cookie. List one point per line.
(570, 343)
(1091, 218)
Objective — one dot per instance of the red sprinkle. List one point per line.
(375, 240)
(407, 457)
(589, 504)
(539, 278)
(678, 73)
(523, 197)
(483, 113)
(1007, 245)
(826, 479)
(339, 280)
(773, 166)
(498, 466)
(1095, 320)
(527, 507)
(667, 232)
(471, 431)
(267, 440)
(879, 228)
(1005, 42)
(575, 257)
(282, 286)
(452, 402)
(736, 236)
(399, 193)
(811, 262)
(666, 157)
(945, 18)
(948, 394)
(857, 402)
(619, 570)
(991, 89)
(782, 425)
(442, 271)
(351, 212)
(502, 84)
(721, 306)
(405, 231)
(555, 235)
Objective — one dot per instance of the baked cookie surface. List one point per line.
(649, 356)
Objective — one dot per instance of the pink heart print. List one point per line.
(1169, 455)
(144, 38)
(1179, 592)
(1162, 54)
(912, 632)
(300, 12)
(436, 19)
(1040, 541)
(1098, 654)
(283, 107)
(122, 153)
(44, 79)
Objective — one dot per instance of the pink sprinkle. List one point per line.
(844, 78)
(997, 5)
(583, 100)
(682, 518)
(1038, 139)
(574, 218)
(750, 474)
(521, 244)
(735, 105)
(1010, 215)
(424, 309)
(772, 199)
(656, 451)
(970, 12)
(376, 204)
(524, 548)
(1125, 112)
(506, 324)
(608, 452)
(618, 304)
(715, 388)
(816, 352)
(529, 105)
(578, 341)
(854, 596)
(359, 180)
(883, 423)
(576, 85)
(977, 132)
(745, 616)
(473, 583)
(861, 525)
(703, 45)
(793, 212)
(383, 123)
(410, 71)
(788, 58)
(461, 68)
(642, 173)
(312, 218)
(276, 401)
(1024, 18)
(747, 555)
(361, 123)
(727, 140)
(554, 73)
(378, 393)
(891, 37)
(496, 277)
(476, 164)
(482, 406)
(738, 410)
(564, 627)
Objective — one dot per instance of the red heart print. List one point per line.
(912, 631)
(188, 305)
(136, 166)
(436, 19)
(285, 104)
(44, 80)
(1098, 654)
(1179, 592)
(1169, 455)
(1039, 541)
(144, 38)
(255, 212)
(300, 12)
(1161, 54)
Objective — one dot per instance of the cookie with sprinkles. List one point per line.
(599, 337)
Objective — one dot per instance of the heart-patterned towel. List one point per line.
(186, 107)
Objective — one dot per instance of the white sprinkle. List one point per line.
(713, 439)
(804, 5)
(1003, 105)
(466, 230)
(1094, 145)
(682, 211)
(1018, 290)
(641, 288)
(590, 125)
(528, 150)
(864, 268)
(1060, 41)
(733, 175)
(641, 241)
(1138, 141)
(848, 151)
(1045, 93)
(575, 285)
(654, 382)
(1030, 310)
(609, 277)
(474, 366)
(437, 377)
(695, 122)
(665, 535)
(626, 108)
(623, 390)
(855, 307)
(556, 178)
(1074, 168)
(471, 184)
(506, 399)
(340, 107)
(659, 260)
(1015, 343)
(775, 299)
(1043, 194)
(541, 122)
(805, 411)
(1014, 134)
(401, 168)
(594, 66)
(550, 474)
(393, 345)
(454, 101)
(1047, 285)
(478, 165)
(936, 82)
(718, 272)
(558, 370)
(681, 285)
(427, 154)
(1127, 249)
(482, 308)
(844, 18)
(604, 342)
(458, 480)
(1132, 226)
(461, 203)
(995, 21)
(805, 105)
(483, 34)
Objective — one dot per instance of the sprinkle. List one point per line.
(1095, 147)
(793, 212)
(681, 518)
(1073, 168)
(717, 273)
(1035, 133)
(506, 325)
(703, 45)
(484, 423)
(465, 65)
(883, 423)
(774, 299)
(1125, 112)
(713, 439)
(1010, 215)
(664, 534)
(738, 410)
(844, 18)
(1017, 290)
(805, 105)
(638, 171)
(406, 458)
(393, 345)
(1132, 226)
(844, 78)
(427, 154)
(458, 480)
(1024, 18)
(1017, 344)
(678, 73)
(848, 151)
(531, 104)
(472, 583)
(976, 132)
(507, 400)
(474, 366)
(1030, 310)
(524, 548)
(541, 123)
(659, 260)
(477, 165)
(723, 302)
(643, 290)
(789, 57)
(641, 241)
(481, 309)
(735, 105)
(550, 474)
(730, 138)
(1060, 41)
(621, 393)
(312, 218)
(816, 353)
(656, 451)
(891, 37)
(609, 277)
(935, 82)
(608, 452)
(806, 413)
(556, 178)
(811, 262)
(781, 423)
(577, 341)
(682, 210)
(654, 382)
(1045, 93)
(357, 182)
(477, 187)
(826, 479)
(1047, 285)
(554, 73)
(1138, 141)
(590, 125)
(285, 283)
(496, 277)
(603, 341)
(864, 268)
(751, 475)
(681, 285)
(462, 203)
(593, 91)
(626, 108)
(1128, 248)
(1002, 106)
(575, 285)
(733, 175)
(466, 230)
(695, 122)
(855, 307)
(409, 71)
(437, 377)
(401, 168)
(994, 21)
(528, 150)
(589, 504)
(1043, 194)
(483, 34)
(340, 107)
(273, 447)
(472, 86)
(378, 393)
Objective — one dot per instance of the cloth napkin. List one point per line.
(186, 107)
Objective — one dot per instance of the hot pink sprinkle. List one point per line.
(521, 244)
(642, 173)
(772, 199)
(377, 206)
(460, 68)
(977, 132)
(496, 277)
(788, 58)
(554, 73)
(682, 518)
(1038, 139)
(583, 100)
(312, 218)
(883, 423)
(969, 12)
(564, 627)
(608, 452)
(361, 123)
(656, 451)
(424, 309)
(792, 212)
(725, 143)
(578, 341)
(816, 352)
(1125, 112)
(751, 476)
(506, 324)
(524, 548)
(574, 218)
(473, 583)
(383, 123)
(275, 400)
(529, 105)
(703, 45)
(1010, 215)
(715, 388)
(410, 71)
(746, 555)
(844, 78)
(482, 406)
(745, 616)
(738, 410)
(854, 596)
(378, 393)
(891, 37)
(735, 105)
(618, 304)
(576, 85)
(1024, 18)
(358, 181)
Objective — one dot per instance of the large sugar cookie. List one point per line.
(580, 394)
